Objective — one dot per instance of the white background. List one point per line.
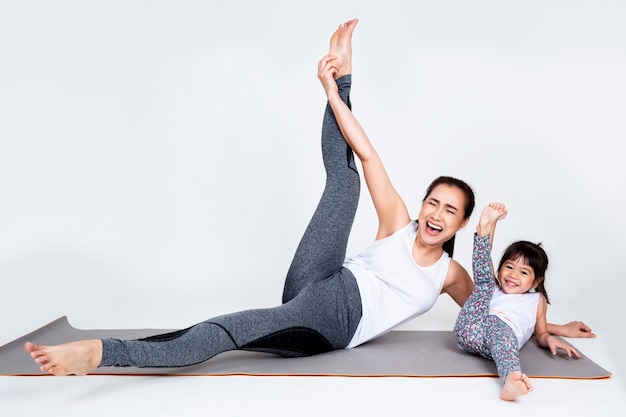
(159, 161)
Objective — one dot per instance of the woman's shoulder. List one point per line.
(456, 275)
(458, 283)
(456, 271)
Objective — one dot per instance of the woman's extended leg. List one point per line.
(322, 249)
(321, 318)
(313, 319)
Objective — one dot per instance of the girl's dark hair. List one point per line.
(534, 255)
(470, 202)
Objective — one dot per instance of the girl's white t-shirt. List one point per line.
(519, 311)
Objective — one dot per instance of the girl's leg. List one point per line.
(322, 250)
(503, 346)
(470, 324)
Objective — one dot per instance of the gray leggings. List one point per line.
(321, 302)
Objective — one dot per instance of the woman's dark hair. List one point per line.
(534, 255)
(470, 202)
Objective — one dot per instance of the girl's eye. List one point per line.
(450, 211)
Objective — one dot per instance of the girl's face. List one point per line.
(516, 276)
(442, 214)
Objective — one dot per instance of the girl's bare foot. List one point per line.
(74, 358)
(516, 384)
(341, 47)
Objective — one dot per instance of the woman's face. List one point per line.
(442, 214)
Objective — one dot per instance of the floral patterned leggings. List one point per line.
(476, 330)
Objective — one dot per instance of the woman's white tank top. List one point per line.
(394, 289)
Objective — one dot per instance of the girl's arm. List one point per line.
(571, 329)
(543, 336)
(390, 208)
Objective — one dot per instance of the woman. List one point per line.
(329, 302)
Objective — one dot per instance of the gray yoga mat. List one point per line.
(397, 353)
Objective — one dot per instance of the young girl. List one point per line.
(503, 313)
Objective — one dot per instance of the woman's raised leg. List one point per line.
(322, 249)
(320, 253)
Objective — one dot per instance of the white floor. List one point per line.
(310, 396)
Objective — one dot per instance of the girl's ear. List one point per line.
(538, 280)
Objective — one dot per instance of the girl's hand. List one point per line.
(571, 329)
(554, 343)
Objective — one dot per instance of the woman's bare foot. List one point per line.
(74, 358)
(341, 47)
(516, 384)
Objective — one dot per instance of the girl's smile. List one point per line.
(516, 276)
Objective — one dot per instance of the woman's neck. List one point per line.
(426, 255)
